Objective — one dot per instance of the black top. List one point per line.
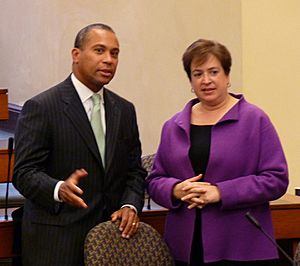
(199, 155)
(200, 146)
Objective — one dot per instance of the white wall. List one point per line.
(36, 38)
(271, 69)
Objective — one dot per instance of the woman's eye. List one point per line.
(214, 72)
(197, 74)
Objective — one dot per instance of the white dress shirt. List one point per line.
(85, 95)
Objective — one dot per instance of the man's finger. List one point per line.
(77, 201)
(77, 175)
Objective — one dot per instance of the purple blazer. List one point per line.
(248, 165)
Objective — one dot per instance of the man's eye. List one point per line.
(99, 50)
(115, 54)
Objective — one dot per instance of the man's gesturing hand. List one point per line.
(70, 193)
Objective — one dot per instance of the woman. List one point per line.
(219, 158)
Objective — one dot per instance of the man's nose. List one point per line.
(107, 57)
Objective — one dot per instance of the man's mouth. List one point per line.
(106, 72)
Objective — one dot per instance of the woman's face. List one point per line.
(209, 81)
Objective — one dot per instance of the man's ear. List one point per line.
(75, 55)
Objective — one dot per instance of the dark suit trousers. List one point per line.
(68, 250)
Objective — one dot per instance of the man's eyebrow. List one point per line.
(106, 47)
(99, 45)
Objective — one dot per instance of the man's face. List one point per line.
(95, 63)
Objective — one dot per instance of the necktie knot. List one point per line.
(96, 99)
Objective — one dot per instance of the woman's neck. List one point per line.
(205, 114)
(219, 107)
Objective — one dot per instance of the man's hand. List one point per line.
(70, 193)
(129, 221)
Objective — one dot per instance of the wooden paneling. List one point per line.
(3, 104)
(155, 218)
(4, 165)
(6, 236)
(286, 217)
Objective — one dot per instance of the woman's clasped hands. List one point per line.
(195, 193)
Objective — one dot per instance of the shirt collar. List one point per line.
(83, 91)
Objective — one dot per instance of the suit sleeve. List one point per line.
(134, 190)
(32, 141)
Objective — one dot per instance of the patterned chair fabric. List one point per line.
(105, 246)
(147, 162)
(297, 256)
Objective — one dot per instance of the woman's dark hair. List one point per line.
(201, 49)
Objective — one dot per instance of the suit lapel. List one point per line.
(74, 110)
(113, 116)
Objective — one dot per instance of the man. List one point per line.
(73, 175)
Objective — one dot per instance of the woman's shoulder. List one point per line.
(246, 106)
(184, 113)
(251, 111)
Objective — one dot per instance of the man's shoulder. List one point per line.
(53, 91)
(112, 96)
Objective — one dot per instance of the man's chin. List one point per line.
(106, 78)
(101, 82)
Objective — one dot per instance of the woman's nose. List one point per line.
(206, 78)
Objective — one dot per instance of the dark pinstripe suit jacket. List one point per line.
(54, 138)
